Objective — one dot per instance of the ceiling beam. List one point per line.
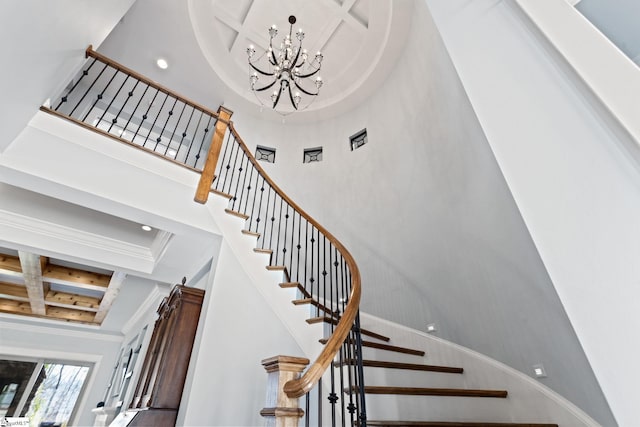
(10, 265)
(74, 277)
(74, 301)
(110, 295)
(15, 307)
(32, 274)
(65, 313)
(13, 291)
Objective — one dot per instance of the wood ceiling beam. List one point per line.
(10, 264)
(13, 291)
(74, 277)
(32, 274)
(73, 301)
(15, 307)
(117, 278)
(65, 313)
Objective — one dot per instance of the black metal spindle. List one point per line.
(153, 125)
(184, 135)
(293, 228)
(135, 109)
(266, 216)
(87, 91)
(193, 139)
(233, 169)
(307, 418)
(284, 240)
(260, 205)
(279, 233)
(204, 136)
(255, 196)
(238, 186)
(166, 122)
(145, 115)
(363, 411)
(99, 97)
(273, 220)
(311, 280)
(249, 188)
(124, 104)
(175, 129)
(65, 97)
(106, 110)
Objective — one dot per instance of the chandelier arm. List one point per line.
(297, 55)
(304, 76)
(266, 87)
(260, 71)
(273, 59)
(279, 93)
(291, 98)
(304, 90)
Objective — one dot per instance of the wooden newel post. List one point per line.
(281, 410)
(206, 179)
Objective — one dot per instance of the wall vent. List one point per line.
(266, 154)
(357, 140)
(312, 155)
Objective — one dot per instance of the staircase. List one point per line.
(313, 284)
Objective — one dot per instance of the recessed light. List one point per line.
(162, 63)
(431, 327)
(539, 371)
(146, 228)
(171, 152)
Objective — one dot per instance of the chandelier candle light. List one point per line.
(289, 66)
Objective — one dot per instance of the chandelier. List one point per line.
(285, 69)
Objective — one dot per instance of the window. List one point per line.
(312, 155)
(358, 140)
(266, 154)
(44, 391)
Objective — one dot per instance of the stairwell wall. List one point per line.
(428, 216)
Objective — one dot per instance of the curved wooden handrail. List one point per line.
(104, 59)
(302, 385)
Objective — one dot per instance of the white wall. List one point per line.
(427, 214)
(572, 174)
(227, 384)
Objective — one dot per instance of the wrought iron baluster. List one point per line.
(84, 73)
(244, 178)
(99, 97)
(135, 109)
(266, 216)
(273, 220)
(153, 125)
(249, 188)
(218, 178)
(204, 136)
(124, 104)
(279, 233)
(173, 134)
(145, 115)
(166, 122)
(260, 205)
(184, 135)
(233, 169)
(115, 119)
(87, 91)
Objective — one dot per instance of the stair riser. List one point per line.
(406, 378)
(449, 408)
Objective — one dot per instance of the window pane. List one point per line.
(55, 398)
(14, 378)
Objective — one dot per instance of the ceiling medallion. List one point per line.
(288, 70)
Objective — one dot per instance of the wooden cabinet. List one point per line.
(159, 390)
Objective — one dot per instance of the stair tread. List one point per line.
(250, 233)
(236, 213)
(429, 391)
(263, 251)
(221, 193)
(381, 423)
(329, 319)
(407, 366)
(387, 347)
(280, 268)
